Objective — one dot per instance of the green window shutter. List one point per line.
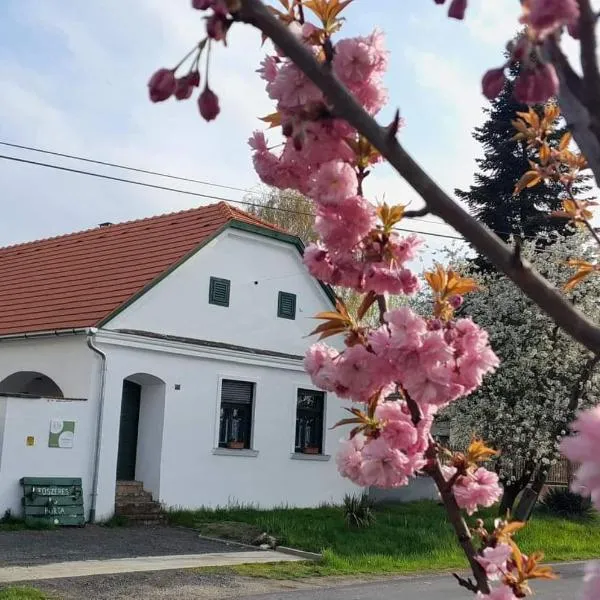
(219, 291)
(286, 305)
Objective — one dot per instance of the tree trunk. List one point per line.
(508, 498)
(528, 501)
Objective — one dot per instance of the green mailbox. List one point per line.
(53, 500)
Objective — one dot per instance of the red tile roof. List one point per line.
(77, 280)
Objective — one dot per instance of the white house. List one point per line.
(167, 351)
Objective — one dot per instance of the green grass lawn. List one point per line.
(20, 593)
(405, 538)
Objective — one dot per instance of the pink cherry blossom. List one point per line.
(358, 59)
(397, 426)
(478, 489)
(292, 88)
(404, 249)
(591, 582)
(493, 560)
(317, 261)
(269, 68)
(344, 227)
(386, 467)
(334, 182)
(349, 458)
(584, 448)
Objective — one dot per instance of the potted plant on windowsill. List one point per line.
(311, 450)
(235, 445)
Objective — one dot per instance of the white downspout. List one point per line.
(90, 342)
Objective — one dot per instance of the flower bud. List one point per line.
(202, 4)
(537, 86)
(183, 88)
(456, 301)
(162, 85)
(217, 26)
(194, 78)
(208, 103)
(493, 83)
(457, 9)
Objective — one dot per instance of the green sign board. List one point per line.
(62, 434)
(53, 500)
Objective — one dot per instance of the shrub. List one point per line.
(562, 502)
(358, 510)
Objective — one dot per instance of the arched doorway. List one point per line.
(141, 429)
(32, 383)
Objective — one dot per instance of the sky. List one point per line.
(74, 80)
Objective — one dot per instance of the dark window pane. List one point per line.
(309, 421)
(219, 291)
(286, 305)
(235, 425)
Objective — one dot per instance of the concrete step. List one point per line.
(149, 519)
(141, 508)
(138, 496)
(134, 503)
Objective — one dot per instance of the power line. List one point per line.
(191, 193)
(124, 167)
(191, 180)
(155, 173)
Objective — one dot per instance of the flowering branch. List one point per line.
(438, 202)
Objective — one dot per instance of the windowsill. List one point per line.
(317, 457)
(235, 452)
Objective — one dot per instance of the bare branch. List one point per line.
(382, 305)
(411, 214)
(572, 101)
(466, 583)
(460, 528)
(439, 203)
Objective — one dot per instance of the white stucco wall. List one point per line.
(150, 436)
(191, 475)
(179, 304)
(25, 417)
(71, 364)
(65, 359)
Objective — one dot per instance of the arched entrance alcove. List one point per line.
(141, 430)
(31, 382)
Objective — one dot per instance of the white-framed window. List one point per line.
(236, 414)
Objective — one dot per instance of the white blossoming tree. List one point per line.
(525, 407)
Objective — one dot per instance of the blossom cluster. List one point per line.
(433, 362)
(429, 361)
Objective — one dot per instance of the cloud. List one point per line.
(84, 92)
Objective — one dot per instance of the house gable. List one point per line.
(260, 266)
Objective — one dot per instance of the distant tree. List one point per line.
(491, 197)
(544, 377)
(287, 209)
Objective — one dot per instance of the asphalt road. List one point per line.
(442, 587)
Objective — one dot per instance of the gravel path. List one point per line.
(163, 585)
(28, 548)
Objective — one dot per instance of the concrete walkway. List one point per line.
(82, 568)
